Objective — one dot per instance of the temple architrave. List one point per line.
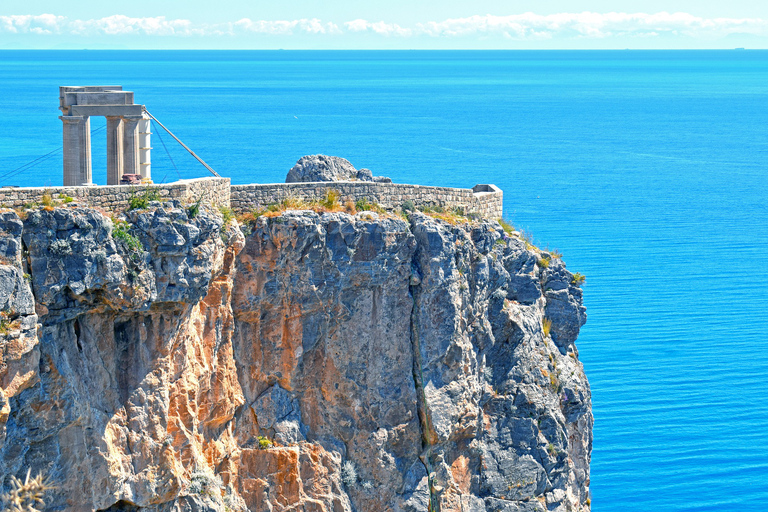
(128, 133)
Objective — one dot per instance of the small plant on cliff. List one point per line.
(293, 203)
(227, 214)
(26, 496)
(264, 443)
(408, 206)
(66, 199)
(348, 473)
(330, 200)
(528, 240)
(5, 322)
(552, 449)
(46, 199)
(194, 208)
(546, 326)
(544, 262)
(233, 502)
(452, 216)
(364, 205)
(122, 232)
(578, 279)
(506, 226)
(141, 202)
(204, 482)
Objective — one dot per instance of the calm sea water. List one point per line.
(648, 170)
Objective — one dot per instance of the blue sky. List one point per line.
(396, 24)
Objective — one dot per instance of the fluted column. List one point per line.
(131, 144)
(77, 150)
(114, 150)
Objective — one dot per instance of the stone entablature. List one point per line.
(485, 200)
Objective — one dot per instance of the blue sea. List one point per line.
(648, 170)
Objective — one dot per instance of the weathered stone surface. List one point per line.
(329, 168)
(395, 365)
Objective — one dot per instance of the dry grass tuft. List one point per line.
(546, 326)
(26, 496)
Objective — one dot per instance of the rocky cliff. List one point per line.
(324, 362)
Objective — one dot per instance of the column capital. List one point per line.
(73, 119)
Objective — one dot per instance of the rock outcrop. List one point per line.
(329, 168)
(325, 362)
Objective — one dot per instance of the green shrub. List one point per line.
(264, 443)
(408, 206)
(578, 279)
(544, 262)
(141, 202)
(121, 232)
(194, 208)
(227, 214)
(363, 205)
(5, 322)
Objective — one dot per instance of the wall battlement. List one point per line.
(485, 200)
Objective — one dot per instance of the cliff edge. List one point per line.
(165, 361)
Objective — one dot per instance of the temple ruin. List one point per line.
(128, 133)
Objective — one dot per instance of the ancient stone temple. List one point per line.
(128, 133)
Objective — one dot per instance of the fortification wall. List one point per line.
(485, 200)
(116, 197)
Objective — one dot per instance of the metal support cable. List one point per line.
(169, 155)
(183, 145)
(15, 172)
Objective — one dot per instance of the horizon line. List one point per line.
(387, 49)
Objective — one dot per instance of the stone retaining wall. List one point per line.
(485, 200)
(116, 197)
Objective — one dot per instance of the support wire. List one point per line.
(183, 145)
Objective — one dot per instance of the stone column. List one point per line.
(114, 150)
(131, 144)
(145, 147)
(77, 150)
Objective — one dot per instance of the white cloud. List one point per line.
(124, 25)
(47, 23)
(526, 26)
(593, 25)
(111, 25)
(287, 27)
(379, 27)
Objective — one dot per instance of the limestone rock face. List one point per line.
(325, 362)
(329, 168)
